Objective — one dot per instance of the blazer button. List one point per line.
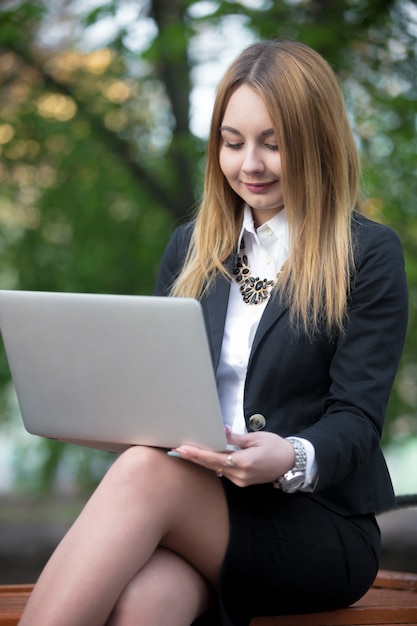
(257, 421)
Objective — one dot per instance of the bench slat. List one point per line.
(13, 599)
(396, 580)
(374, 616)
(392, 600)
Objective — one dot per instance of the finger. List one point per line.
(237, 440)
(218, 462)
(206, 458)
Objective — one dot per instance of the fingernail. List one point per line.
(174, 454)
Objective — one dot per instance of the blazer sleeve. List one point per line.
(173, 259)
(366, 358)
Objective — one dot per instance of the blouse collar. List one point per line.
(278, 224)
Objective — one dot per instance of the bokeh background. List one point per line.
(104, 112)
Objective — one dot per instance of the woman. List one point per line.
(305, 304)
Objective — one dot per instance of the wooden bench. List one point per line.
(392, 600)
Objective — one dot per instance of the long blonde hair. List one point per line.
(320, 182)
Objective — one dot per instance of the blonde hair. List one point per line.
(320, 181)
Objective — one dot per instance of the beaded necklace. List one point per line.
(253, 290)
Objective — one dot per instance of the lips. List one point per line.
(259, 187)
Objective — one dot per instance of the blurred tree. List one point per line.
(102, 152)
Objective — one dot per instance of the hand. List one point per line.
(262, 458)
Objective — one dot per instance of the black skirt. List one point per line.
(289, 554)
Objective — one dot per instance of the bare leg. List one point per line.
(146, 500)
(166, 586)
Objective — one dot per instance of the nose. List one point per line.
(252, 162)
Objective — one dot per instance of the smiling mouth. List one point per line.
(259, 187)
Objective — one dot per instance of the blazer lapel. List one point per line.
(273, 311)
(215, 309)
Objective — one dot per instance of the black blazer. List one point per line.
(333, 393)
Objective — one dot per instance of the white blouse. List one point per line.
(267, 249)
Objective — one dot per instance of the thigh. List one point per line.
(146, 500)
(184, 505)
(167, 590)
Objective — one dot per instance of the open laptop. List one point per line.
(109, 371)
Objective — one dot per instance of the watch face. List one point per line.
(292, 480)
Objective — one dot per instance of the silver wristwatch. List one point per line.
(295, 477)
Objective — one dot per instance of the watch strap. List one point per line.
(300, 453)
(292, 480)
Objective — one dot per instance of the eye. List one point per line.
(272, 147)
(233, 146)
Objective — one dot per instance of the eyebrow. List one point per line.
(265, 133)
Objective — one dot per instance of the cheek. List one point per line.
(277, 165)
(228, 164)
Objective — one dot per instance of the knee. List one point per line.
(137, 463)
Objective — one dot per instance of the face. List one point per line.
(249, 156)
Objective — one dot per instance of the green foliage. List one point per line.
(98, 162)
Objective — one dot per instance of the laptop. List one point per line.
(111, 371)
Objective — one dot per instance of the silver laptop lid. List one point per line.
(111, 371)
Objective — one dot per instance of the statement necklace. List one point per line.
(253, 290)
